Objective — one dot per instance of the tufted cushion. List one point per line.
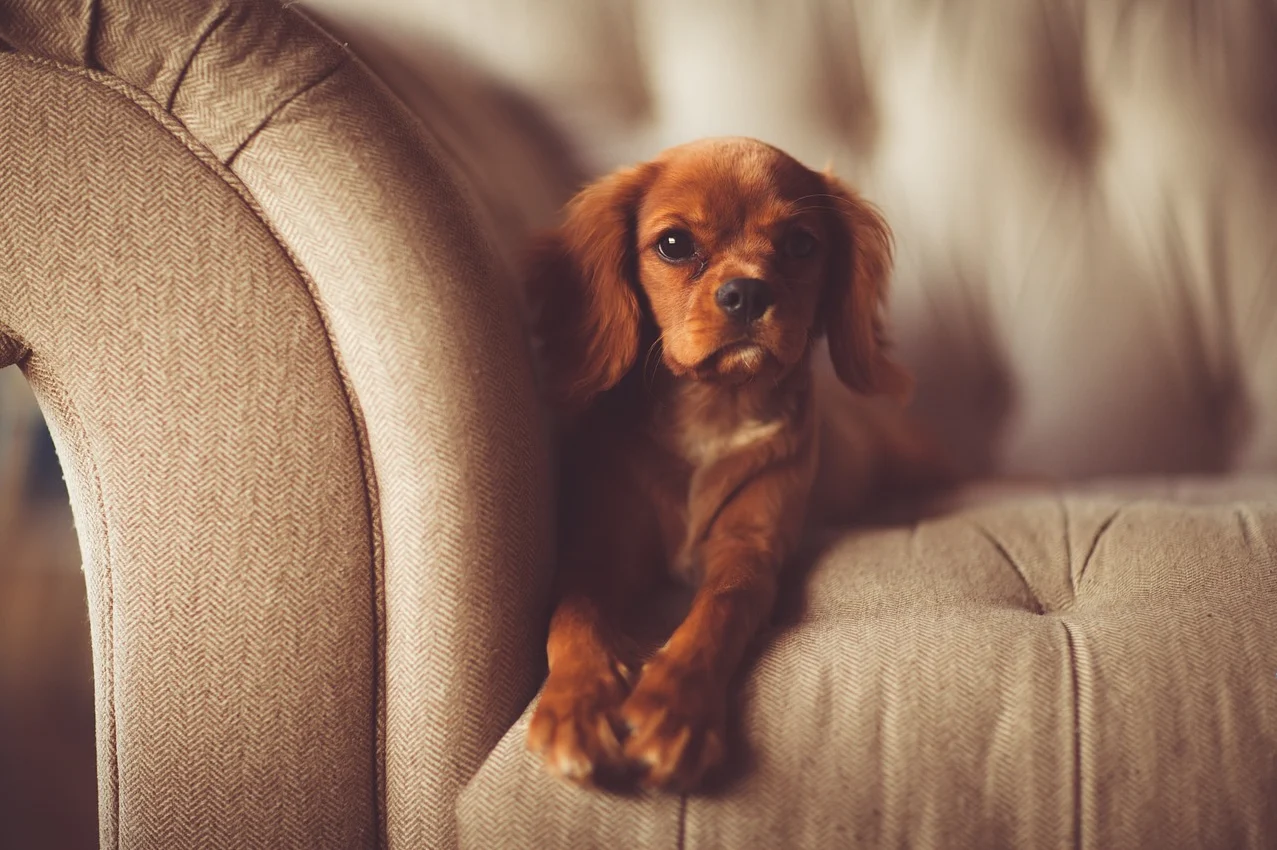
(1087, 668)
(1082, 192)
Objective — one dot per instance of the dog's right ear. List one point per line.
(581, 285)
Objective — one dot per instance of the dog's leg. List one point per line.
(676, 713)
(604, 567)
(572, 728)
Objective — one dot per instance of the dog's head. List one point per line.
(740, 256)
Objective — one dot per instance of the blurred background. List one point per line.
(48, 786)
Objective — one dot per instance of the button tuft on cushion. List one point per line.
(1034, 604)
(1036, 545)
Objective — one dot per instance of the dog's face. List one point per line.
(733, 251)
(741, 255)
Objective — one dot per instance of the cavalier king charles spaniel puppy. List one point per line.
(680, 309)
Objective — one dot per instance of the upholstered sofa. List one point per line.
(263, 293)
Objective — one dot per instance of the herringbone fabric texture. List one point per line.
(284, 379)
(1093, 668)
(434, 352)
(215, 477)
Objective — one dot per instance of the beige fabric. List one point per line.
(297, 419)
(225, 532)
(435, 355)
(1032, 669)
(515, 169)
(1082, 192)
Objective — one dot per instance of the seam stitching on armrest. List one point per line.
(265, 122)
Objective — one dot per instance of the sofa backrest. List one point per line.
(1083, 193)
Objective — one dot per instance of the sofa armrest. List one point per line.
(430, 335)
(296, 416)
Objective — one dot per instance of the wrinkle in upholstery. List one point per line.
(10, 351)
(220, 67)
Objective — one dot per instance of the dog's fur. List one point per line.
(691, 441)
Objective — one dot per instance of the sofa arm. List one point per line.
(296, 417)
(436, 355)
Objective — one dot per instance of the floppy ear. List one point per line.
(581, 284)
(855, 296)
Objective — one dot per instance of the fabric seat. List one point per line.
(1092, 667)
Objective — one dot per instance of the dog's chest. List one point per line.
(703, 426)
(701, 432)
(702, 443)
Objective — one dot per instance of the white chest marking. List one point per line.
(706, 446)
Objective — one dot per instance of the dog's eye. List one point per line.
(676, 245)
(799, 244)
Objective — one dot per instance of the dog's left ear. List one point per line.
(854, 298)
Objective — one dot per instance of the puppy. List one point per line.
(679, 307)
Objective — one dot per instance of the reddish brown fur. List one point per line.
(687, 449)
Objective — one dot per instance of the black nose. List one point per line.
(744, 298)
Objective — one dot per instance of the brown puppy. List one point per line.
(679, 305)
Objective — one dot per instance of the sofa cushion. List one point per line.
(1093, 667)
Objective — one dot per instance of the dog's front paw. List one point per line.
(676, 726)
(572, 728)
